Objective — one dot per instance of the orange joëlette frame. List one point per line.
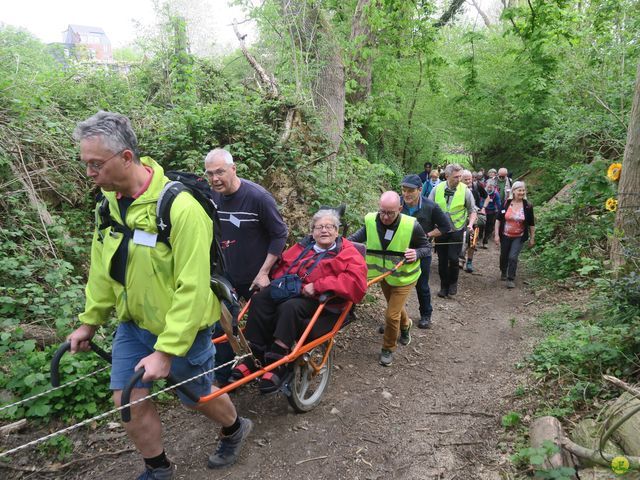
(300, 347)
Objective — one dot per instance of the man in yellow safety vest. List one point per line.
(456, 200)
(390, 237)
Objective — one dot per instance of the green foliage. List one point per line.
(511, 420)
(571, 233)
(59, 447)
(537, 457)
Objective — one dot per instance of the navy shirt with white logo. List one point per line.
(251, 228)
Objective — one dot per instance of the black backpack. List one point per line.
(179, 182)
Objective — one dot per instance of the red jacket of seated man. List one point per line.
(342, 270)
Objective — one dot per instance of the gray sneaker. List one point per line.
(229, 447)
(165, 473)
(386, 358)
(453, 289)
(405, 334)
(425, 321)
(511, 284)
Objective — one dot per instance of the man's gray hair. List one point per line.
(466, 172)
(327, 212)
(114, 129)
(219, 152)
(452, 167)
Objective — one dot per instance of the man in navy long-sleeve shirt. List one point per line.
(253, 233)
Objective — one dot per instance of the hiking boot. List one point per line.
(386, 358)
(443, 292)
(503, 276)
(484, 245)
(425, 321)
(405, 334)
(453, 289)
(511, 284)
(469, 267)
(162, 473)
(229, 446)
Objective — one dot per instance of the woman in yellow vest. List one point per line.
(391, 237)
(456, 200)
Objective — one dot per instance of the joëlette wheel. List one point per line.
(307, 386)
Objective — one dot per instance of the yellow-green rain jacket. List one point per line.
(167, 289)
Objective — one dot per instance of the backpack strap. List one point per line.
(163, 222)
(163, 209)
(103, 214)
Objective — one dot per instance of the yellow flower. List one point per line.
(611, 204)
(614, 172)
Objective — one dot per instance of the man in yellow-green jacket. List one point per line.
(390, 237)
(160, 293)
(456, 200)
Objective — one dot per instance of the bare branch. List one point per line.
(267, 80)
(484, 16)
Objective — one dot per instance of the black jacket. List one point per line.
(529, 220)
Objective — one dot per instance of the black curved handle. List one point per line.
(100, 352)
(55, 363)
(64, 348)
(137, 376)
(126, 395)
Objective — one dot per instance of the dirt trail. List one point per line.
(434, 414)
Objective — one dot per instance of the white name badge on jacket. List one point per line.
(140, 237)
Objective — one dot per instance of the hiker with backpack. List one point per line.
(252, 235)
(159, 290)
(278, 315)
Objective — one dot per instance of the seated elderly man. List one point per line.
(319, 263)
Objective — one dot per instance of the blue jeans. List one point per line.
(422, 288)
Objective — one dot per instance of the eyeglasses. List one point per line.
(215, 173)
(328, 228)
(96, 167)
(386, 213)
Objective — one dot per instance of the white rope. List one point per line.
(46, 392)
(117, 409)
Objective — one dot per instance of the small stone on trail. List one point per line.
(386, 395)
(334, 411)
(113, 425)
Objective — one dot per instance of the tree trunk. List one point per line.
(361, 43)
(329, 88)
(416, 92)
(625, 245)
(313, 34)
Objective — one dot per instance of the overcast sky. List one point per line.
(47, 19)
(209, 19)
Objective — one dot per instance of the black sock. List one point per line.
(161, 461)
(231, 429)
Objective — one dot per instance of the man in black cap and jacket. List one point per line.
(434, 222)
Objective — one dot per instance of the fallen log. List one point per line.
(626, 434)
(594, 455)
(587, 433)
(13, 427)
(549, 428)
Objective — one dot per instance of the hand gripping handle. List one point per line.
(64, 348)
(137, 376)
